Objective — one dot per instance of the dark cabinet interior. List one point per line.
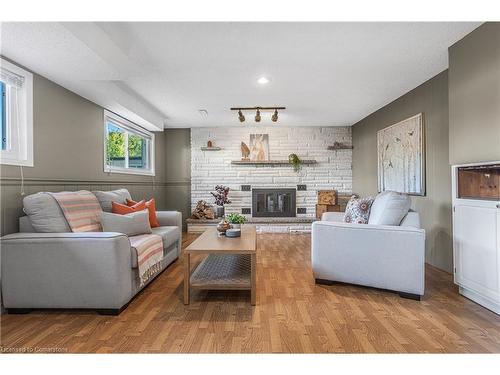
(479, 182)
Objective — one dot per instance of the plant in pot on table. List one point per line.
(236, 220)
(220, 195)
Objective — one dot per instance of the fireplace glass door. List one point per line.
(273, 203)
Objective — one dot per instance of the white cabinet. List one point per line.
(476, 247)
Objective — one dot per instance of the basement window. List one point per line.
(128, 148)
(16, 115)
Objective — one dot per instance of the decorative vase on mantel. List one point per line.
(219, 211)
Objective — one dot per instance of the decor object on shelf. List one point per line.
(327, 197)
(203, 210)
(245, 152)
(339, 146)
(236, 220)
(327, 202)
(258, 117)
(401, 157)
(210, 147)
(222, 227)
(220, 195)
(294, 160)
(259, 147)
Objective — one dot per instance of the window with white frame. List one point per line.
(128, 148)
(16, 115)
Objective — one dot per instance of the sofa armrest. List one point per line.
(384, 256)
(333, 216)
(66, 270)
(169, 218)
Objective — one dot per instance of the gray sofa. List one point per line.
(66, 270)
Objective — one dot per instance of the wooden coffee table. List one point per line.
(230, 263)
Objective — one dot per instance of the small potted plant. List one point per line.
(294, 160)
(236, 220)
(220, 195)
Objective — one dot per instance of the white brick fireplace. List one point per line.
(209, 168)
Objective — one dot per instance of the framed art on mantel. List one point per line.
(401, 157)
(259, 147)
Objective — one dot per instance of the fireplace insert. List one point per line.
(273, 202)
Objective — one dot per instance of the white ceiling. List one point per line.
(161, 74)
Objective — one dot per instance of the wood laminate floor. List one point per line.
(292, 315)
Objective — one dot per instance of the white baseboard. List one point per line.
(478, 298)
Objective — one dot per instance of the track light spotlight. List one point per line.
(240, 116)
(257, 116)
(257, 109)
(274, 117)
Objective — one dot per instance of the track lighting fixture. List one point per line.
(258, 117)
(274, 117)
(240, 116)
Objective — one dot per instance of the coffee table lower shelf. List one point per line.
(223, 272)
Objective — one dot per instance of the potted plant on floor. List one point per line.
(220, 195)
(236, 220)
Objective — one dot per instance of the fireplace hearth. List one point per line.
(275, 202)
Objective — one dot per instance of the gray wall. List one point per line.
(68, 155)
(431, 98)
(474, 91)
(178, 170)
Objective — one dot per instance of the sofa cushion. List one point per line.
(131, 224)
(44, 213)
(389, 208)
(169, 234)
(358, 210)
(106, 197)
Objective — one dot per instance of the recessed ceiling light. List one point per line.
(263, 81)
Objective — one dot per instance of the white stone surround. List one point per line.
(210, 168)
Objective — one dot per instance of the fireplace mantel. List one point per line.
(271, 162)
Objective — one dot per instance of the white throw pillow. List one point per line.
(389, 208)
(131, 224)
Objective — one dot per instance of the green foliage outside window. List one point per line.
(115, 147)
(135, 145)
